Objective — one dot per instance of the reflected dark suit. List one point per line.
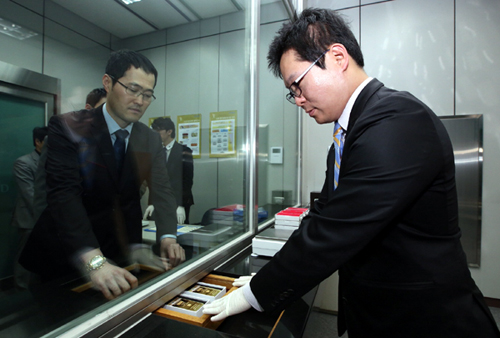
(390, 228)
(89, 206)
(180, 170)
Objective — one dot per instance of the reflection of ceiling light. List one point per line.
(128, 2)
(15, 31)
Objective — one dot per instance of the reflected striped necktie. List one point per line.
(338, 138)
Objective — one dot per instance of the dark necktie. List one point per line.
(119, 146)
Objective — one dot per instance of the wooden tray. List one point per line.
(204, 320)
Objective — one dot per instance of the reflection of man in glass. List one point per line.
(95, 98)
(96, 162)
(23, 218)
(179, 166)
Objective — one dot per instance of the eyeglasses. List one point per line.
(294, 88)
(136, 91)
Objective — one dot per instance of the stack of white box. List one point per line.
(224, 215)
(290, 218)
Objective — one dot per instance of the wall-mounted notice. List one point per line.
(188, 132)
(223, 134)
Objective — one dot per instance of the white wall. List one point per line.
(446, 53)
(203, 68)
(66, 47)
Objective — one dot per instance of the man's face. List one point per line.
(165, 136)
(324, 91)
(123, 107)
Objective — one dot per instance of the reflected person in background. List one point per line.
(23, 218)
(96, 162)
(96, 98)
(388, 220)
(179, 166)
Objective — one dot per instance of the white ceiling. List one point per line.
(148, 16)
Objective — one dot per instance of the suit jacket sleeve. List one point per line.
(392, 156)
(64, 188)
(187, 176)
(161, 192)
(24, 178)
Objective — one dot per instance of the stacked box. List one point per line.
(290, 218)
(224, 215)
(185, 305)
(188, 309)
(205, 291)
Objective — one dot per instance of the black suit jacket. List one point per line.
(89, 205)
(390, 228)
(180, 170)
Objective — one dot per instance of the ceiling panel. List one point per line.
(209, 9)
(109, 15)
(124, 21)
(160, 13)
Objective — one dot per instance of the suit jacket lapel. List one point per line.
(134, 155)
(34, 158)
(359, 106)
(330, 172)
(175, 153)
(100, 132)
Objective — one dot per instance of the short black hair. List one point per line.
(39, 134)
(95, 96)
(310, 35)
(120, 61)
(164, 123)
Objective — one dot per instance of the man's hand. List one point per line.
(228, 305)
(181, 215)
(243, 280)
(148, 212)
(172, 253)
(143, 254)
(112, 280)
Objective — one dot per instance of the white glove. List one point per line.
(181, 215)
(148, 212)
(229, 305)
(243, 280)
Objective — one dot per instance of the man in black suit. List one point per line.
(23, 218)
(97, 160)
(389, 221)
(179, 167)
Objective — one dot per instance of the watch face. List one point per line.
(96, 262)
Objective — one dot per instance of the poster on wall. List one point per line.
(188, 132)
(223, 134)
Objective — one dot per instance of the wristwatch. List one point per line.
(96, 263)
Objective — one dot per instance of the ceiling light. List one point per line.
(128, 2)
(15, 31)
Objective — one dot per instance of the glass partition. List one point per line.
(279, 129)
(211, 84)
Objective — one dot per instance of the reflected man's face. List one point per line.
(123, 107)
